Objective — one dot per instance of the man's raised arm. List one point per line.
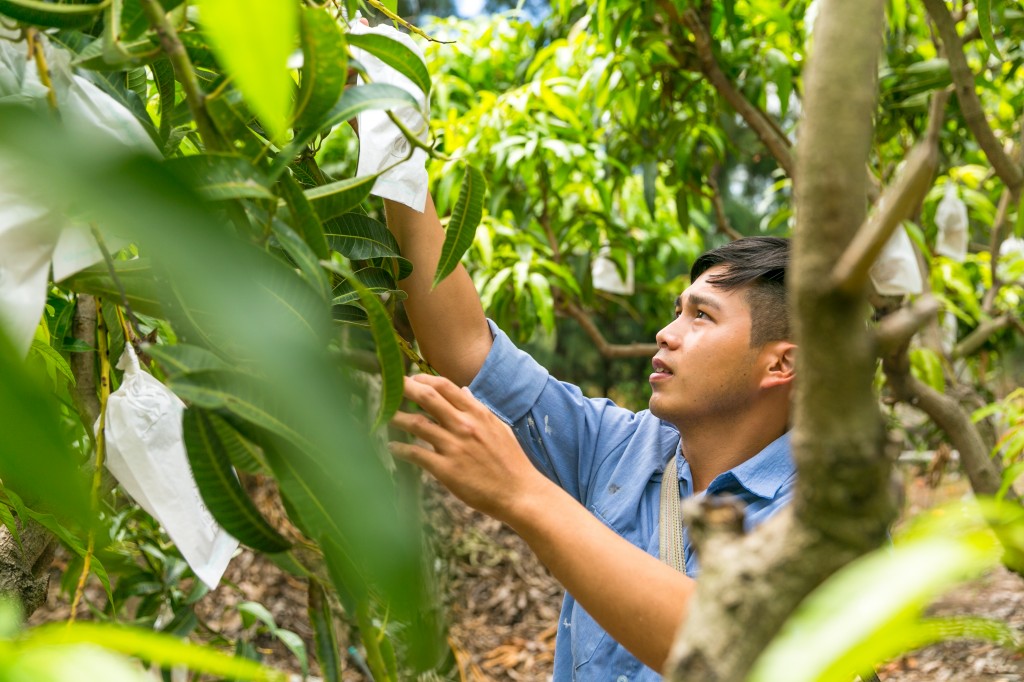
(448, 321)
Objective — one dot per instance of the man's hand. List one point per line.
(475, 454)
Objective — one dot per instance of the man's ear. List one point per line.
(780, 364)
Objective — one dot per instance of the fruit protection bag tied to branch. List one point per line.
(896, 272)
(146, 454)
(383, 148)
(951, 219)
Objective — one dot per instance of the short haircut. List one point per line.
(758, 263)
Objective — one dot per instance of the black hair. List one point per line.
(758, 263)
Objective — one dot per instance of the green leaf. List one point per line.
(303, 217)
(376, 280)
(136, 275)
(353, 102)
(395, 54)
(926, 365)
(359, 237)
(51, 14)
(35, 460)
(231, 119)
(222, 176)
(543, 302)
(183, 358)
(325, 66)
(984, 8)
(341, 196)
(7, 518)
(253, 40)
(869, 611)
(206, 440)
(304, 257)
(389, 353)
(325, 638)
(53, 359)
(163, 76)
(157, 648)
(463, 223)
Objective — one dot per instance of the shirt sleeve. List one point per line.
(565, 434)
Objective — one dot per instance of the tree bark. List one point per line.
(749, 585)
(24, 570)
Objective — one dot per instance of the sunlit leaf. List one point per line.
(396, 55)
(462, 226)
(253, 40)
(206, 441)
(324, 68)
(340, 197)
(222, 176)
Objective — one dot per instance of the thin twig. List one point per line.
(108, 259)
(377, 5)
(721, 218)
(42, 68)
(896, 330)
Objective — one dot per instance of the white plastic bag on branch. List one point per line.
(381, 142)
(951, 219)
(32, 230)
(606, 276)
(896, 272)
(146, 454)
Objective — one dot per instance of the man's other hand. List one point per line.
(475, 455)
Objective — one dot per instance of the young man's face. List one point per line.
(705, 367)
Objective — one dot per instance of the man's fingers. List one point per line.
(430, 399)
(421, 427)
(418, 455)
(457, 397)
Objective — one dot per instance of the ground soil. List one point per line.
(504, 605)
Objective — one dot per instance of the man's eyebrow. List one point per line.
(700, 300)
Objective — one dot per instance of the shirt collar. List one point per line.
(762, 475)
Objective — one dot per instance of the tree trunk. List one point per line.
(24, 570)
(750, 584)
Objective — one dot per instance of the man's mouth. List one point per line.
(660, 367)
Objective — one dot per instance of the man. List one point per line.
(587, 499)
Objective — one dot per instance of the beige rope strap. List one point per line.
(671, 519)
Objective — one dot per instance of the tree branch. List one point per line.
(897, 203)
(778, 145)
(970, 105)
(977, 338)
(995, 242)
(607, 350)
(896, 329)
(83, 365)
(721, 218)
(184, 72)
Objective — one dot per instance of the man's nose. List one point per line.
(667, 337)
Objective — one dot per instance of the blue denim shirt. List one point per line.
(611, 460)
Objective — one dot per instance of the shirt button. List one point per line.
(622, 678)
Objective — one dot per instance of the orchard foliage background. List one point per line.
(250, 267)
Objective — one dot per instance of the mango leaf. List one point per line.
(253, 40)
(870, 610)
(984, 8)
(240, 394)
(376, 280)
(160, 649)
(183, 358)
(136, 275)
(396, 55)
(462, 226)
(53, 359)
(349, 314)
(252, 611)
(35, 461)
(233, 123)
(359, 237)
(12, 526)
(52, 15)
(324, 68)
(354, 101)
(543, 302)
(206, 440)
(325, 638)
(302, 216)
(303, 257)
(341, 196)
(926, 365)
(163, 77)
(222, 176)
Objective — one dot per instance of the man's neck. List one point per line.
(713, 449)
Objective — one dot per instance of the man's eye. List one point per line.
(677, 313)
(701, 315)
